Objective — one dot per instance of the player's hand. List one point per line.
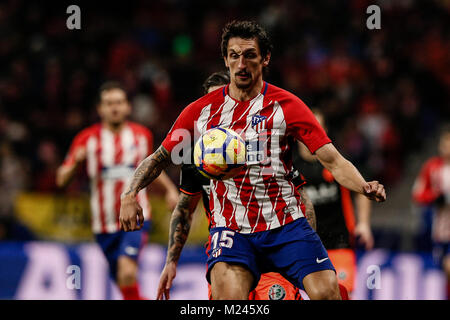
(375, 191)
(172, 199)
(165, 281)
(131, 215)
(364, 235)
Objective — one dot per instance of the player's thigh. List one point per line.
(446, 265)
(131, 244)
(127, 269)
(322, 285)
(232, 259)
(297, 252)
(230, 281)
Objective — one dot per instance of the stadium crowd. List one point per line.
(383, 91)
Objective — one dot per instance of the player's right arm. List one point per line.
(74, 158)
(347, 175)
(305, 127)
(180, 224)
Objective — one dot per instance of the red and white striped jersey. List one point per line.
(433, 182)
(261, 196)
(111, 159)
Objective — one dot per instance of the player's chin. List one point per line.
(244, 84)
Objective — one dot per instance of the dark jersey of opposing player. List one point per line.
(192, 183)
(332, 204)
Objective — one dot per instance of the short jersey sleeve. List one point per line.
(79, 141)
(423, 191)
(189, 180)
(303, 125)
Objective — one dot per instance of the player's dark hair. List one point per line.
(110, 85)
(216, 79)
(246, 30)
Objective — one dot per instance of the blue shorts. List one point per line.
(122, 243)
(293, 250)
(440, 251)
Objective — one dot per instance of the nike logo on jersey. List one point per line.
(321, 260)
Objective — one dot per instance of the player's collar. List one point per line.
(226, 89)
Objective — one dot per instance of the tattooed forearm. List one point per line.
(310, 214)
(148, 170)
(180, 224)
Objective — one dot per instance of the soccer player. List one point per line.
(257, 221)
(194, 186)
(432, 188)
(333, 206)
(111, 150)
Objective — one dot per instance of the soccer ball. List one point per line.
(219, 153)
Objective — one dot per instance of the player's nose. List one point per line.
(241, 64)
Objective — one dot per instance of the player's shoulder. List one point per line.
(284, 97)
(433, 162)
(86, 133)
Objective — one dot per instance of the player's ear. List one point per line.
(266, 60)
(99, 108)
(226, 62)
(129, 108)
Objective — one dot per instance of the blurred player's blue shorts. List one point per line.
(122, 243)
(293, 250)
(440, 251)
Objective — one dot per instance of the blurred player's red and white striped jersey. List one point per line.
(262, 196)
(111, 159)
(434, 182)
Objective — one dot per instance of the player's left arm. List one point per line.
(170, 189)
(180, 224)
(362, 228)
(347, 175)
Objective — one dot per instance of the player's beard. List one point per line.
(245, 84)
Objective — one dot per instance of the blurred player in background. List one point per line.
(111, 150)
(193, 186)
(335, 214)
(432, 188)
(258, 224)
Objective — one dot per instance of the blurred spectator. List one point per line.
(48, 162)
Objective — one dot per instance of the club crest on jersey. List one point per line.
(277, 292)
(216, 252)
(259, 123)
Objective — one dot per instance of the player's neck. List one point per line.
(114, 127)
(245, 94)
